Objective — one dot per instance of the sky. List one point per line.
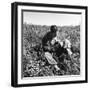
(60, 19)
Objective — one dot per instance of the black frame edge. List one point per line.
(50, 5)
(14, 44)
(86, 38)
(52, 83)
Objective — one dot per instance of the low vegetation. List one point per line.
(34, 63)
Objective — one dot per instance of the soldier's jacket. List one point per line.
(46, 41)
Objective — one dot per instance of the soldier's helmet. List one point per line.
(53, 28)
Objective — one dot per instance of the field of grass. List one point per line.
(33, 60)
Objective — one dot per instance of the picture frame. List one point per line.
(26, 17)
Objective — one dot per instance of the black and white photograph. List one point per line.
(50, 44)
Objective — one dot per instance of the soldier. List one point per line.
(46, 42)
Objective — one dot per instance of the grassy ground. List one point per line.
(34, 63)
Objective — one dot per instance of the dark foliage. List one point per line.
(34, 63)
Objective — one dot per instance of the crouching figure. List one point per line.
(46, 43)
(59, 47)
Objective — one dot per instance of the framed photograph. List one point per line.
(49, 44)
